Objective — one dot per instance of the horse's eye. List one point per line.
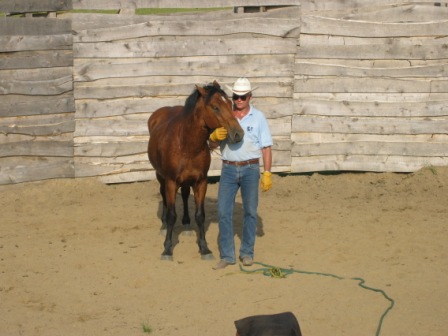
(216, 109)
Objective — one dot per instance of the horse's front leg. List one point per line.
(162, 193)
(170, 218)
(199, 197)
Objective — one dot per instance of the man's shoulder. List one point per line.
(256, 111)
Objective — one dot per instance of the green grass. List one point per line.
(146, 328)
(432, 169)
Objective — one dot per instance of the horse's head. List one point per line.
(218, 111)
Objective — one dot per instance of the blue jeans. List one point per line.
(233, 178)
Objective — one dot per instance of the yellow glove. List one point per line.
(218, 134)
(266, 181)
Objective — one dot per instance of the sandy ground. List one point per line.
(82, 258)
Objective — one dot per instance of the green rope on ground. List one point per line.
(271, 271)
(277, 272)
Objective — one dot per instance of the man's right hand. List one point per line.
(218, 134)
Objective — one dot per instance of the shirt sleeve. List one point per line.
(265, 132)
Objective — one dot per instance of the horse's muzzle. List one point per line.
(236, 136)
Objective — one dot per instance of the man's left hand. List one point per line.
(266, 181)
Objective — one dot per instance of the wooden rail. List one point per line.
(345, 85)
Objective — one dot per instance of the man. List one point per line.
(241, 169)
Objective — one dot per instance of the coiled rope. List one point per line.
(277, 272)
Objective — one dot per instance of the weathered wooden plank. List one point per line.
(86, 21)
(111, 149)
(439, 85)
(366, 125)
(36, 59)
(140, 172)
(95, 166)
(111, 127)
(36, 147)
(138, 127)
(312, 5)
(272, 107)
(253, 65)
(328, 40)
(371, 148)
(315, 24)
(282, 143)
(280, 126)
(48, 125)
(374, 51)
(137, 176)
(265, 26)
(378, 163)
(116, 163)
(22, 6)
(26, 43)
(372, 109)
(51, 81)
(191, 47)
(315, 68)
(128, 91)
(34, 27)
(116, 107)
(390, 97)
(113, 90)
(316, 138)
(281, 158)
(112, 4)
(26, 169)
(37, 87)
(80, 140)
(400, 13)
(36, 74)
(129, 151)
(128, 148)
(367, 84)
(19, 105)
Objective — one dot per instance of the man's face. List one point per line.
(241, 102)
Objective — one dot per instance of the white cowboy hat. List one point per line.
(241, 87)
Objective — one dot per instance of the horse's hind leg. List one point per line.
(185, 190)
(199, 197)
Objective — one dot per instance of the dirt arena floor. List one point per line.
(78, 257)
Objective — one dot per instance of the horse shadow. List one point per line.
(211, 218)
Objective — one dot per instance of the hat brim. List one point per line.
(240, 93)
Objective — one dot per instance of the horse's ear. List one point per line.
(201, 90)
(216, 84)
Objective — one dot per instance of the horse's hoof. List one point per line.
(166, 257)
(208, 256)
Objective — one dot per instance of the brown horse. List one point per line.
(179, 152)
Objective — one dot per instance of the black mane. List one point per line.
(191, 101)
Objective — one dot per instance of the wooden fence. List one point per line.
(344, 85)
(371, 88)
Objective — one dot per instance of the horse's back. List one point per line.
(162, 116)
(161, 126)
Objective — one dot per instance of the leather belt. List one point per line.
(242, 163)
